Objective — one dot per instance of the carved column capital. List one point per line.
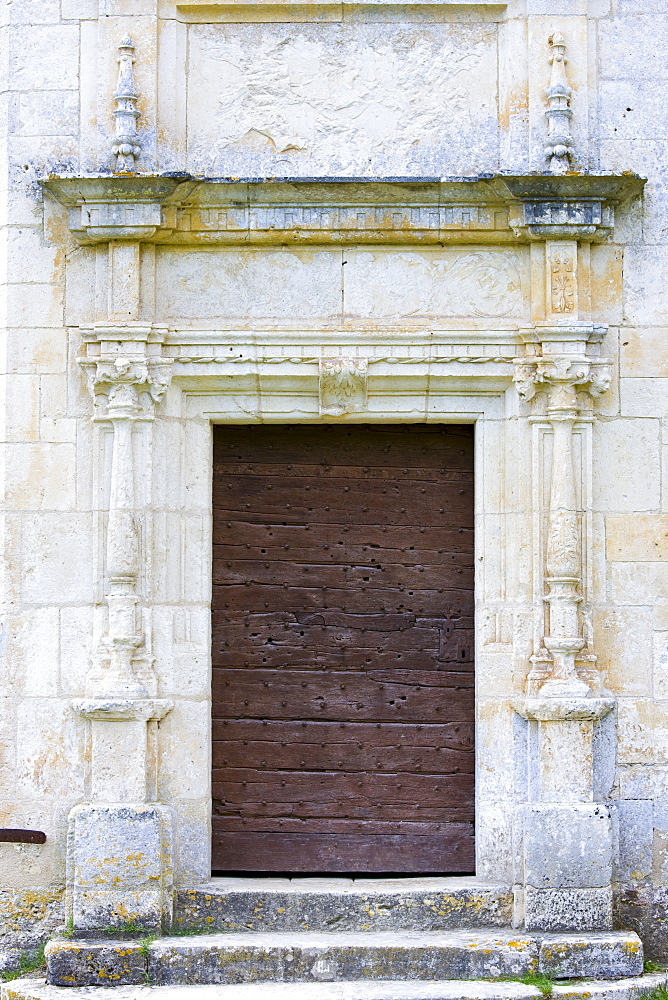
(562, 376)
(127, 387)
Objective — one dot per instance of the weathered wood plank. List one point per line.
(355, 735)
(449, 851)
(341, 695)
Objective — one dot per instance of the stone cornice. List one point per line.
(491, 209)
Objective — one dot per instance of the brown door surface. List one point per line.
(343, 699)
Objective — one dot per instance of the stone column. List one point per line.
(119, 844)
(565, 834)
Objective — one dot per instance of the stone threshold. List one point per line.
(229, 904)
(621, 989)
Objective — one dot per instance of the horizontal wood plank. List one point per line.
(450, 851)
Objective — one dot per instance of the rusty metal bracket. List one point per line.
(22, 837)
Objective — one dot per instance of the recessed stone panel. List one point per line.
(342, 99)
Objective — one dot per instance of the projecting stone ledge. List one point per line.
(309, 957)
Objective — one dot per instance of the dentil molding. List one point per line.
(492, 209)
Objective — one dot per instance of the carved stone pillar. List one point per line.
(119, 849)
(565, 834)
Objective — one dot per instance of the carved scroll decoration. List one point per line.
(126, 146)
(559, 148)
(560, 669)
(125, 390)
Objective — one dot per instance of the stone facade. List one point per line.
(462, 233)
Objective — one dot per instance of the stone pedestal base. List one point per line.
(120, 867)
(567, 867)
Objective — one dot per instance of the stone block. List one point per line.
(634, 821)
(646, 268)
(660, 665)
(43, 307)
(567, 847)
(604, 956)
(622, 447)
(620, 40)
(565, 761)
(660, 856)
(49, 746)
(567, 909)
(27, 12)
(185, 741)
(47, 58)
(34, 650)
(638, 583)
(95, 963)
(35, 351)
(56, 560)
(80, 9)
(40, 476)
(311, 956)
(28, 916)
(624, 635)
(644, 352)
(76, 643)
(607, 283)
(644, 397)
(642, 731)
(21, 400)
(284, 905)
(121, 866)
(640, 538)
(48, 113)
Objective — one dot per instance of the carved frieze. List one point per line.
(490, 210)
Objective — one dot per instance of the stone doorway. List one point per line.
(343, 697)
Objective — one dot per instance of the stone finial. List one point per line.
(560, 142)
(126, 147)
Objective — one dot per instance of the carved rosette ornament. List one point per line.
(125, 390)
(556, 672)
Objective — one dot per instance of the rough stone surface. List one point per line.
(626, 989)
(309, 956)
(313, 956)
(342, 905)
(611, 955)
(95, 963)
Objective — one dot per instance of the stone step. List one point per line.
(313, 956)
(621, 989)
(343, 904)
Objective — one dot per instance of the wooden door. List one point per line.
(343, 699)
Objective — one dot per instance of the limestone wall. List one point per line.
(321, 90)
